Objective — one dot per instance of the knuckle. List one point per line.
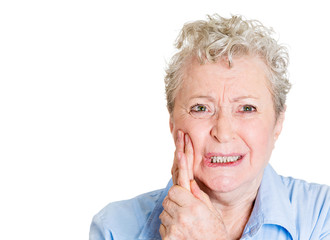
(162, 230)
(182, 220)
(173, 230)
(165, 202)
(171, 192)
(174, 190)
(161, 216)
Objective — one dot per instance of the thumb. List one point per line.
(198, 193)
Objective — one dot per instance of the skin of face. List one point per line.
(227, 111)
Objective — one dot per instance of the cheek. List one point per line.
(193, 127)
(258, 136)
(199, 134)
(197, 129)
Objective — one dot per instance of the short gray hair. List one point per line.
(220, 37)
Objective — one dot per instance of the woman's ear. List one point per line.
(279, 124)
(171, 124)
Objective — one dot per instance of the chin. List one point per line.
(220, 184)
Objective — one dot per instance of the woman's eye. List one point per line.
(198, 108)
(248, 108)
(201, 111)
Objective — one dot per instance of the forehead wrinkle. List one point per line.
(225, 93)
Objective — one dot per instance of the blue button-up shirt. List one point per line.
(285, 208)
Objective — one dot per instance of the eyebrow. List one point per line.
(202, 96)
(237, 99)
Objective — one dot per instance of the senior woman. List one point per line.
(226, 89)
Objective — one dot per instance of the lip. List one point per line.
(208, 163)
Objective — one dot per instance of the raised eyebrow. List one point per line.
(237, 99)
(202, 96)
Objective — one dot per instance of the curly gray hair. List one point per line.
(220, 37)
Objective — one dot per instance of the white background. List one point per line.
(83, 120)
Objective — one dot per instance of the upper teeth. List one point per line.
(218, 159)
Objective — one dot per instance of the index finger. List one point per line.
(183, 176)
(189, 152)
(185, 160)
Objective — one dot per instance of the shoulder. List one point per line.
(124, 219)
(301, 191)
(311, 204)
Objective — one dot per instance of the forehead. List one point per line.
(246, 76)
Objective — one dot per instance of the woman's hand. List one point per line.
(182, 169)
(188, 212)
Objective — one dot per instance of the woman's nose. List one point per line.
(223, 130)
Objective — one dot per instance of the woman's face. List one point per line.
(229, 115)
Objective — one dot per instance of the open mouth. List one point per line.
(221, 160)
(225, 159)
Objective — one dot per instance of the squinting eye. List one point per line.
(199, 108)
(201, 111)
(248, 108)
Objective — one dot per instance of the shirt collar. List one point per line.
(151, 228)
(272, 206)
